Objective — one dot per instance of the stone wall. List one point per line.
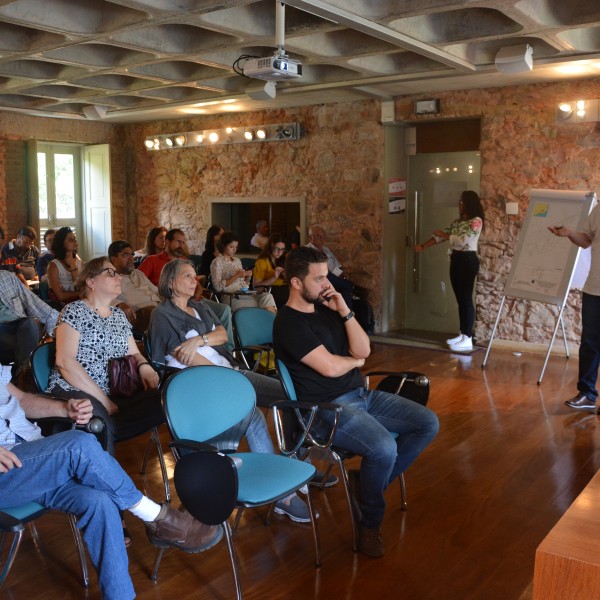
(522, 147)
(337, 167)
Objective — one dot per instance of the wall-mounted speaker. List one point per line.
(261, 90)
(515, 59)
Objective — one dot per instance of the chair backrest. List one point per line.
(286, 380)
(42, 362)
(207, 485)
(196, 260)
(203, 403)
(248, 262)
(254, 326)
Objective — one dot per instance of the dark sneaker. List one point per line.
(370, 542)
(181, 530)
(581, 402)
(295, 508)
(319, 480)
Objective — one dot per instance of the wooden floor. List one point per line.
(509, 459)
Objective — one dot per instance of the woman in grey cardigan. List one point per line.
(185, 333)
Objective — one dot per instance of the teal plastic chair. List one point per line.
(253, 328)
(214, 405)
(42, 363)
(13, 521)
(314, 444)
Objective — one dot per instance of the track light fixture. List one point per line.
(227, 135)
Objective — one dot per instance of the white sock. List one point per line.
(145, 509)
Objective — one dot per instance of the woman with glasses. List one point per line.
(90, 332)
(269, 269)
(64, 269)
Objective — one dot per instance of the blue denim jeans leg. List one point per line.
(589, 349)
(70, 472)
(363, 428)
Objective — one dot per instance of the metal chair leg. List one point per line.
(315, 529)
(232, 557)
(353, 519)
(12, 553)
(159, 556)
(80, 550)
(154, 439)
(402, 492)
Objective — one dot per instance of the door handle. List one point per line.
(416, 273)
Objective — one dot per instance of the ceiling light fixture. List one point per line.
(285, 132)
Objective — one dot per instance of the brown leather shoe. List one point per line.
(370, 542)
(180, 529)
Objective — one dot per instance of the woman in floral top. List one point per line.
(463, 235)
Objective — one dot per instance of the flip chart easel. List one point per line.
(543, 266)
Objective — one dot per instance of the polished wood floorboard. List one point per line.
(508, 461)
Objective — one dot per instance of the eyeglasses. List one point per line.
(111, 272)
(278, 249)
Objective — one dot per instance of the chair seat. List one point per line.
(263, 478)
(25, 512)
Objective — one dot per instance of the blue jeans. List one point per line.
(363, 428)
(589, 349)
(70, 472)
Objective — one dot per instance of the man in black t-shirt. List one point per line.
(323, 346)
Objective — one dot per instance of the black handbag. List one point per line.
(124, 377)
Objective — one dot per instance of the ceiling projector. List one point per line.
(273, 68)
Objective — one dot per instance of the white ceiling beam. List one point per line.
(344, 17)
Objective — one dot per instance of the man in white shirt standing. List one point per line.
(589, 347)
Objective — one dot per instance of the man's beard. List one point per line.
(178, 252)
(313, 299)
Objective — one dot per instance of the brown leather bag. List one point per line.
(124, 376)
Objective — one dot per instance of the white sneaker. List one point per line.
(464, 345)
(455, 340)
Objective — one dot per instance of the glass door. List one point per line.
(435, 182)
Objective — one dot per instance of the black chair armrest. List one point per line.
(9, 524)
(193, 445)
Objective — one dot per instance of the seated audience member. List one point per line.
(155, 242)
(269, 270)
(139, 296)
(70, 472)
(41, 266)
(323, 346)
(228, 276)
(261, 237)
(20, 255)
(88, 334)
(21, 313)
(64, 269)
(175, 247)
(211, 248)
(185, 333)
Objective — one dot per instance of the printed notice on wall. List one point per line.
(396, 196)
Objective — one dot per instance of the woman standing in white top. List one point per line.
(64, 269)
(463, 235)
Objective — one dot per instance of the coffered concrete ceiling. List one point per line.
(153, 59)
